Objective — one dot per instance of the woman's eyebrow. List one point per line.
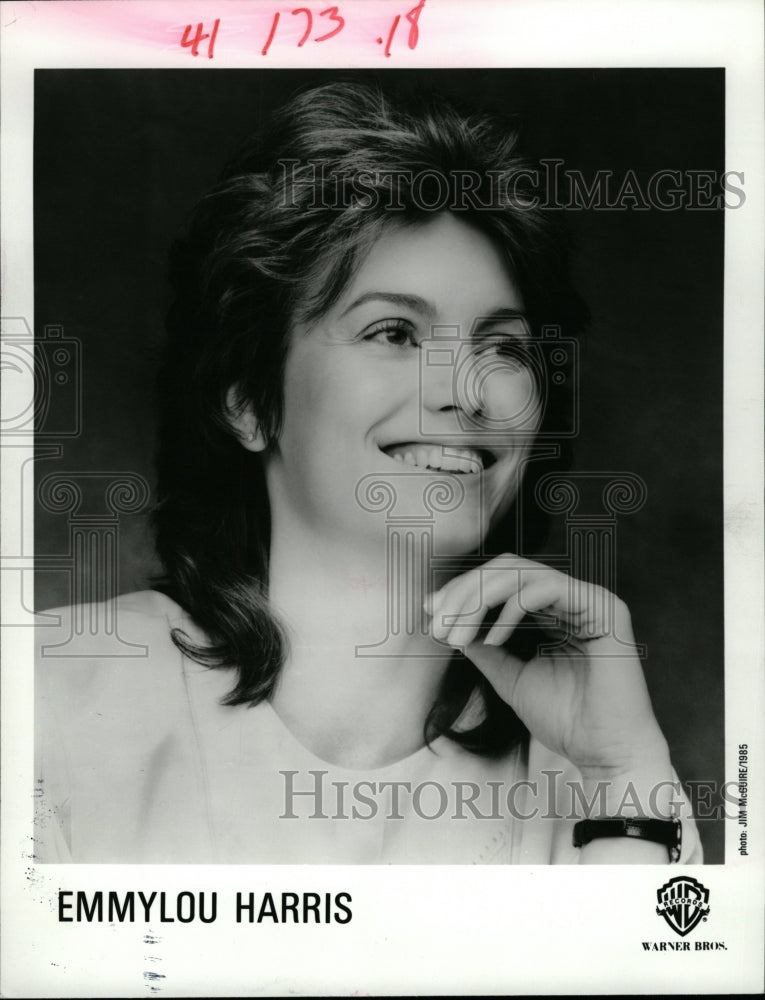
(496, 316)
(408, 301)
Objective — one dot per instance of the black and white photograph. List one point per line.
(375, 460)
(425, 468)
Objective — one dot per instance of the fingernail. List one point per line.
(437, 628)
(451, 639)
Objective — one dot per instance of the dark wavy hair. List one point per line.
(276, 241)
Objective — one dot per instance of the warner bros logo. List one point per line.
(683, 902)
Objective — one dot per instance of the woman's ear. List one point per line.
(243, 422)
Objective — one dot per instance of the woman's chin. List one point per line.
(458, 533)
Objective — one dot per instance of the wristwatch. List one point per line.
(661, 831)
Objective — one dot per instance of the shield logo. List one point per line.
(683, 901)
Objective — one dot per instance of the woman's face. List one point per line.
(411, 378)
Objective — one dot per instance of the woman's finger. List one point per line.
(487, 585)
(500, 668)
(501, 570)
(458, 627)
(459, 616)
(581, 609)
(529, 600)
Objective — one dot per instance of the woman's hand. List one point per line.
(586, 699)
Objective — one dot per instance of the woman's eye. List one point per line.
(397, 333)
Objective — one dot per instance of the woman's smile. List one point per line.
(433, 457)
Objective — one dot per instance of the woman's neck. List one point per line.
(362, 671)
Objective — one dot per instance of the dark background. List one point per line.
(120, 158)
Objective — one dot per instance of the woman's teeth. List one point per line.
(428, 456)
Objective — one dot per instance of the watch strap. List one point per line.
(659, 831)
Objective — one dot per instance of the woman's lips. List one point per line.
(440, 458)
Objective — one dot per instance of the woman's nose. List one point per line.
(438, 387)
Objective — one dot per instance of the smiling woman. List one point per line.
(354, 396)
(356, 410)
